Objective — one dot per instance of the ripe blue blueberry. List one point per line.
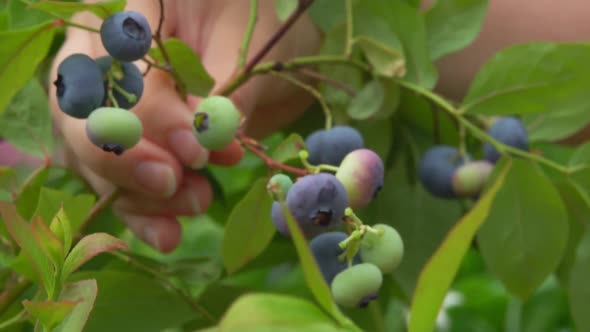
(331, 146)
(507, 130)
(132, 81)
(113, 129)
(317, 200)
(361, 172)
(126, 36)
(328, 254)
(79, 86)
(436, 170)
(357, 286)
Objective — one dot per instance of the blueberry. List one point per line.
(216, 122)
(331, 146)
(317, 200)
(126, 36)
(327, 254)
(114, 129)
(132, 81)
(507, 130)
(357, 286)
(436, 170)
(79, 86)
(384, 250)
(278, 186)
(361, 172)
(470, 178)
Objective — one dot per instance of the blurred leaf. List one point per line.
(531, 78)
(327, 14)
(4, 19)
(76, 207)
(90, 246)
(133, 302)
(49, 313)
(289, 148)
(102, 9)
(21, 52)
(368, 101)
(28, 197)
(377, 135)
(21, 16)
(22, 232)
(8, 179)
(259, 312)
(581, 156)
(51, 245)
(385, 60)
(194, 78)
(557, 123)
(85, 292)
(285, 8)
(249, 228)
(313, 277)
(579, 288)
(26, 123)
(525, 235)
(453, 24)
(438, 274)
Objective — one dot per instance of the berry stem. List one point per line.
(328, 80)
(270, 163)
(253, 18)
(311, 90)
(349, 28)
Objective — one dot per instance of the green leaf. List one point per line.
(192, 76)
(85, 292)
(90, 246)
(49, 313)
(64, 9)
(525, 234)
(311, 271)
(21, 52)
(271, 312)
(408, 24)
(453, 24)
(285, 8)
(22, 232)
(289, 148)
(531, 78)
(76, 207)
(134, 302)
(249, 228)
(8, 179)
(327, 14)
(438, 274)
(51, 245)
(558, 123)
(368, 101)
(28, 197)
(60, 225)
(385, 60)
(579, 288)
(26, 123)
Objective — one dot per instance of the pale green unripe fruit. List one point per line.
(113, 129)
(278, 186)
(469, 179)
(216, 122)
(384, 250)
(357, 286)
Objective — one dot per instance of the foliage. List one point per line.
(517, 257)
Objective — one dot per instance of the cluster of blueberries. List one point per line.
(318, 203)
(102, 90)
(445, 173)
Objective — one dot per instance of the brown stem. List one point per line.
(270, 163)
(328, 80)
(301, 8)
(158, 35)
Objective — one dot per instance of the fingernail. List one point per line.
(152, 237)
(195, 203)
(156, 177)
(185, 145)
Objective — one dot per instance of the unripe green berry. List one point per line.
(385, 250)
(469, 179)
(278, 186)
(216, 122)
(113, 129)
(357, 286)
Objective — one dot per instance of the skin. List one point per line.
(214, 29)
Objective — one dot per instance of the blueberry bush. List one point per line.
(386, 207)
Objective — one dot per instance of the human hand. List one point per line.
(155, 177)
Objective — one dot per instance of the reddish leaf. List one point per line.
(51, 245)
(49, 313)
(85, 293)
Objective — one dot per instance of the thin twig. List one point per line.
(62, 22)
(301, 8)
(270, 163)
(349, 28)
(243, 57)
(104, 202)
(328, 80)
(158, 35)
